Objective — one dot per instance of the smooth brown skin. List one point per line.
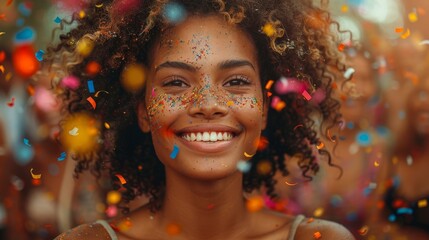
(197, 179)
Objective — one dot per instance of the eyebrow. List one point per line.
(227, 64)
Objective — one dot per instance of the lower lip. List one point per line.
(208, 147)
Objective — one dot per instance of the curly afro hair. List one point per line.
(293, 39)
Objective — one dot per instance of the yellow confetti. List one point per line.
(113, 197)
(422, 203)
(268, 29)
(106, 125)
(35, 176)
(230, 103)
(412, 16)
(290, 184)
(2, 33)
(80, 133)
(84, 46)
(99, 5)
(8, 76)
(248, 155)
(318, 212)
(82, 14)
(133, 77)
(406, 34)
(344, 8)
(376, 164)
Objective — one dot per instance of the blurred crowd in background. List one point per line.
(382, 148)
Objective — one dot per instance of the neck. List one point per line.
(204, 207)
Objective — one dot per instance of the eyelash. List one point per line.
(174, 82)
(243, 81)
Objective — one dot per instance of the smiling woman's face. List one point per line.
(203, 98)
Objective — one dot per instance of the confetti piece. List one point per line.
(255, 203)
(406, 34)
(290, 184)
(91, 86)
(9, 2)
(84, 46)
(2, 33)
(39, 55)
(318, 212)
(71, 82)
(57, 20)
(320, 145)
(11, 103)
(24, 61)
(288, 85)
(173, 229)
(98, 92)
(341, 47)
(174, 12)
(269, 84)
(2, 56)
(229, 103)
(113, 197)
(24, 9)
(133, 77)
(408, 211)
(27, 142)
(106, 125)
(349, 73)
(363, 138)
(74, 131)
(62, 156)
(422, 203)
(99, 5)
(310, 220)
(277, 104)
(35, 176)
(376, 164)
(424, 42)
(248, 155)
(363, 230)
(412, 16)
(175, 151)
(268, 29)
(264, 167)
(111, 211)
(344, 8)
(93, 68)
(27, 34)
(82, 14)
(297, 126)
(243, 166)
(306, 95)
(2, 68)
(30, 90)
(92, 102)
(153, 94)
(399, 29)
(317, 235)
(121, 179)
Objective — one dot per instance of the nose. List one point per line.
(208, 106)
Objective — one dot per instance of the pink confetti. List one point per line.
(306, 95)
(71, 82)
(287, 85)
(45, 100)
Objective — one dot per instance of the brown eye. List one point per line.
(237, 81)
(176, 83)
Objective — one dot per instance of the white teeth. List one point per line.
(207, 136)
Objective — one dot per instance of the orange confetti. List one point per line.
(262, 143)
(9, 2)
(2, 56)
(290, 184)
(269, 94)
(30, 90)
(35, 176)
(121, 179)
(24, 61)
(422, 203)
(173, 229)
(230, 103)
(406, 34)
(399, 29)
(254, 204)
(344, 8)
(363, 230)
(106, 125)
(2, 68)
(376, 164)
(248, 155)
(92, 68)
(320, 145)
(279, 106)
(341, 47)
(317, 235)
(310, 220)
(269, 84)
(91, 100)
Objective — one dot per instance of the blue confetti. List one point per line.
(363, 138)
(336, 200)
(392, 218)
(243, 166)
(23, 154)
(174, 12)
(24, 9)
(175, 151)
(27, 34)
(39, 55)
(26, 142)
(57, 20)
(20, 22)
(350, 125)
(401, 115)
(91, 86)
(404, 211)
(62, 156)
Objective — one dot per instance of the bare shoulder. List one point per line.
(85, 231)
(322, 229)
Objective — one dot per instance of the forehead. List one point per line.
(202, 39)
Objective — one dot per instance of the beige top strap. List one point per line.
(294, 226)
(108, 228)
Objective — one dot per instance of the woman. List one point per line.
(188, 137)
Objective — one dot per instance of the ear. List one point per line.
(265, 113)
(143, 117)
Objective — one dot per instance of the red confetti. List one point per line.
(306, 95)
(11, 103)
(92, 102)
(317, 235)
(121, 179)
(2, 56)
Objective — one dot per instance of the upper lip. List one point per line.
(208, 128)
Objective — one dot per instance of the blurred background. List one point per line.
(382, 146)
